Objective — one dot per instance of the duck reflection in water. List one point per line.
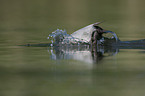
(82, 53)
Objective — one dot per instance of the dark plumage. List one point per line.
(96, 34)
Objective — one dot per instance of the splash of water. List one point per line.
(111, 35)
(61, 37)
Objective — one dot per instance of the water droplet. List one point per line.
(51, 45)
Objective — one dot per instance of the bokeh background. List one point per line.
(23, 20)
(29, 71)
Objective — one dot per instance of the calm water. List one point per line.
(42, 71)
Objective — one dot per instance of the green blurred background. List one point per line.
(27, 71)
(22, 20)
